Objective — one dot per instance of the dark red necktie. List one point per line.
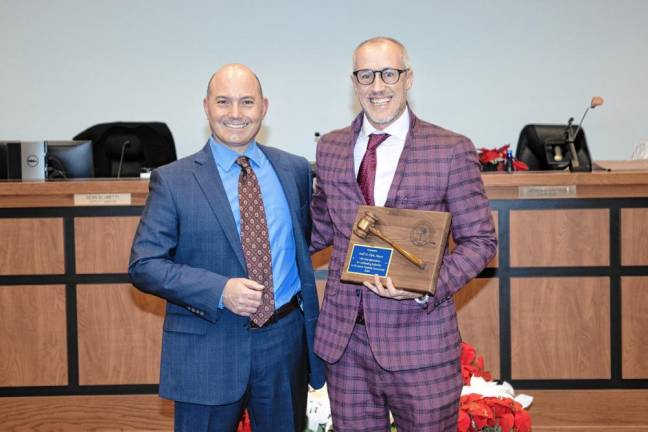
(255, 240)
(367, 179)
(367, 171)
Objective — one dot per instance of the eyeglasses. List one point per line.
(387, 75)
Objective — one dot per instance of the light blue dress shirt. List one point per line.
(285, 277)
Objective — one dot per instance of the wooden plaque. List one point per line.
(419, 232)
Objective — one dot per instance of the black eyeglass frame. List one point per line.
(373, 76)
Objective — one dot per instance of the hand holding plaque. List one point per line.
(418, 236)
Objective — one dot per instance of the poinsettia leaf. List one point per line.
(522, 421)
(507, 422)
(463, 424)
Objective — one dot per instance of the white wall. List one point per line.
(482, 68)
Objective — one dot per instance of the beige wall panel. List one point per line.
(135, 413)
(33, 336)
(31, 246)
(634, 236)
(120, 334)
(478, 313)
(103, 243)
(560, 328)
(559, 238)
(634, 325)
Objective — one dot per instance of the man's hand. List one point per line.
(242, 296)
(390, 291)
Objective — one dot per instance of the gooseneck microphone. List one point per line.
(125, 144)
(574, 163)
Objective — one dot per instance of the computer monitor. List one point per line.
(546, 147)
(4, 160)
(70, 159)
(22, 160)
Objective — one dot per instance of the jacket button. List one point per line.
(358, 292)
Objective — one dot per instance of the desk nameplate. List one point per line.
(561, 191)
(102, 199)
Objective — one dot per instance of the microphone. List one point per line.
(574, 163)
(125, 144)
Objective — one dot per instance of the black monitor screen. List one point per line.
(4, 163)
(545, 147)
(69, 159)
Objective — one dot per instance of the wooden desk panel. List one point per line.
(560, 238)
(33, 336)
(634, 236)
(634, 324)
(478, 315)
(560, 328)
(102, 244)
(120, 335)
(31, 246)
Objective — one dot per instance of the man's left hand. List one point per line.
(390, 291)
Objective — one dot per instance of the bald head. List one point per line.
(386, 43)
(232, 71)
(235, 106)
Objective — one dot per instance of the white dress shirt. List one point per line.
(387, 154)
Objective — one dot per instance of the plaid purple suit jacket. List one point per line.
(438, 170)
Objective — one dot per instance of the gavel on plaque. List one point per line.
(367, 225)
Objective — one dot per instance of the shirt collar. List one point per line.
(226, 158)
(398, 129)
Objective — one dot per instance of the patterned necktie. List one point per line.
(367, 179)
(254, 239)
(367, 171)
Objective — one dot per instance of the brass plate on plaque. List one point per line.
(406, 245)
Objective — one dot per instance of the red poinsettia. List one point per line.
(472, 364)
(496, 159)
(244, 424)
(485, 413)
(478, 413)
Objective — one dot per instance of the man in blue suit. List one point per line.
(220, 352)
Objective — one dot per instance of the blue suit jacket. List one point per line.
(185, 249)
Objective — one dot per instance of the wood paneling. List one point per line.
(597, 184)
(588, 410)
(61, 193)
(634, 236)
(120, 333)
(87, 413)
(33, 336)
(103, 243)
(560, 328)
(478, 313)
(552, 410)
(31, 246)
(559, 238)
(321, 259)
(634, 325)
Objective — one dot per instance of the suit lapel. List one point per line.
(210, 183)
(402, 162)
(286, 177)
(349, 158)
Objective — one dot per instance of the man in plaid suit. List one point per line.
(387, 349)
